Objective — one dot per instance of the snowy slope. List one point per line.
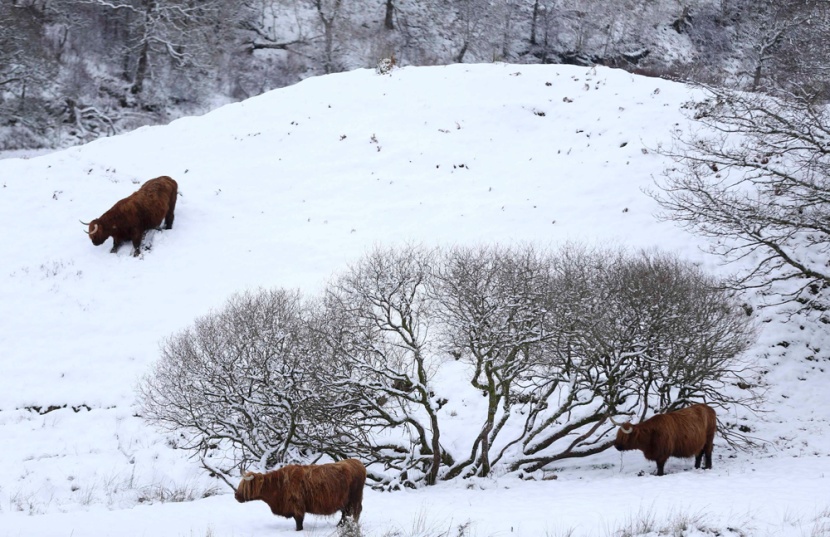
(284, 190)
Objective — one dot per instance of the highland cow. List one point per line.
(294, 490)
(132, 216)
(684, 433)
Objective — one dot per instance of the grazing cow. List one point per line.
(131, 217)
(294, 490)
(684, 433)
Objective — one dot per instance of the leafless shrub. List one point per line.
(238, 387)
(560, 340)
(556, 340)
(378, 320)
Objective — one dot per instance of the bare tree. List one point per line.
(382, 311)
(27, 70)
(161, 32)
(584, 373)
(494, 306)
(559, 341)
(238, 387)
(11, 49)
(804, 58)
(261, 19)
(635, 334)
(329, 15)
(755, 180)
(777, 20)
(686, 334)
(471, 26)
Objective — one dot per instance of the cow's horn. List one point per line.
(629, 430)
(249, 476)
(94, 229)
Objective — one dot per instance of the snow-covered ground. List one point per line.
(24, 153)
(284, 190)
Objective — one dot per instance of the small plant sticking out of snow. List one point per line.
(349, 528)
(386, 65)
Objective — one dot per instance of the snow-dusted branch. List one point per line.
(759, 189)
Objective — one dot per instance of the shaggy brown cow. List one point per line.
(131, 217)
(294, 490)
(684, 433)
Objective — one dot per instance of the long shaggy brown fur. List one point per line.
(689, 432)
(132, 216)
(294, 490)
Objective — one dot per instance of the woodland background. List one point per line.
(75, 70)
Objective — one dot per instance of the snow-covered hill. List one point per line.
(284, 190)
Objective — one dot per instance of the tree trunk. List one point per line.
(435, 440)
(460, 57)
(328, 21)
(141, 69)
(390, 11)
(505, 40)
(533, 22)
(328, 63)
(432, 476)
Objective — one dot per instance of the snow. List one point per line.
(285, 190)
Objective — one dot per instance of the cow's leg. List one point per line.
(171, 209)
(298, 520)
(708, 452)
(346, 511)
(707, 449)
(357, 507)
(355, 501)
(137, 243)
(660, 465)
(698, 457)
(168, 220)
(116, 244)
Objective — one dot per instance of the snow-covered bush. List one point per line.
(241, 387)
(379, 319)
(556, 341)
(385, 65)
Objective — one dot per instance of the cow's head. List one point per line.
(250, 487)
(625, 439)
(96, 232)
